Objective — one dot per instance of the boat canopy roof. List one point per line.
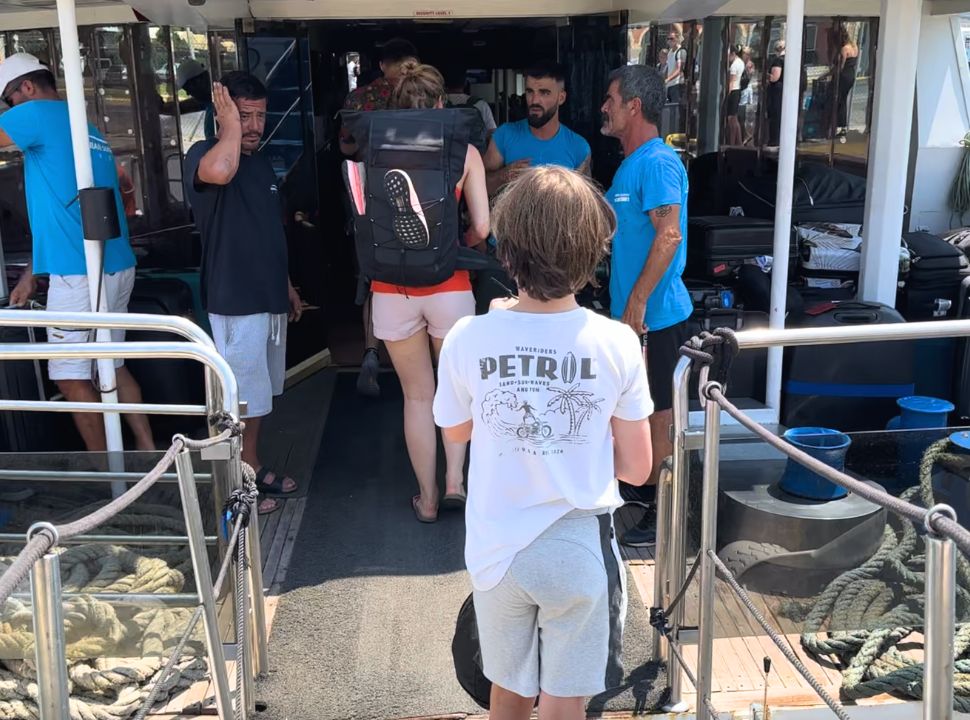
(25, 14)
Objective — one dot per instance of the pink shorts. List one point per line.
(398, 316)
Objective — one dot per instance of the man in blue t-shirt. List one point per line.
(649, 195)
(540, 139)
(38, 124)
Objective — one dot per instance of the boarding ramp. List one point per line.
(111, 606)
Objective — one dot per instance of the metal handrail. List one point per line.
(221, 400)
(108, 321)
(672, 504)
(207, 355)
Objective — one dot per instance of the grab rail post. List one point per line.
(203, 584)
(705, 650)
(940, 603)
(675, 565)
(661, 591)
(50, 646)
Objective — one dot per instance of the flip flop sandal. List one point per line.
(263, 508)
(272, 488)
(410, 226)
(453, 501)
(417, 513)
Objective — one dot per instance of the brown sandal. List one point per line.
(417, 513)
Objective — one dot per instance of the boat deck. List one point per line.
(739, 655)
(739, 679)
(738, 674)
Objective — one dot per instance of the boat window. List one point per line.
(191, 55)
(747, 35)
(838, 57)
(352, 63)
(224, 53)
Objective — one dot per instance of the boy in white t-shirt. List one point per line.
(555, 401)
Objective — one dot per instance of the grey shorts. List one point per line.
(69, 293)
(255, 348)
(555, 621)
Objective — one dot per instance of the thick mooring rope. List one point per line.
(127, 642)
(884, 600)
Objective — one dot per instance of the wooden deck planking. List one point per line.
(735, 688)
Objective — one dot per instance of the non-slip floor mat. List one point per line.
(367, 615)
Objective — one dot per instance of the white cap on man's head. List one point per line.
(18, 65)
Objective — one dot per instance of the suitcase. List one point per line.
(754, 293)
(937, 268)
(851, 387)
(820, 194)
(749, 369)
(718, 245)
(165, 380)
(829, 247)
(670, 119)
(710, 296)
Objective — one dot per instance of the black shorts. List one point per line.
(732, 103)
(663, 353)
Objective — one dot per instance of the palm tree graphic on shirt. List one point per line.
(578, 404)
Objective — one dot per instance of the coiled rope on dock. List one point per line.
(116, 652)
(883, 600)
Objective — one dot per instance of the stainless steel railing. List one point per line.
(223, 450)
(671, 564)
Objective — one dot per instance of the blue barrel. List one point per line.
(829, 446)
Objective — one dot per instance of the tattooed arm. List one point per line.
(666, 223)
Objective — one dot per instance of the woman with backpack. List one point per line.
(413, 321)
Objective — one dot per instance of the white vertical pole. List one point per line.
(783, 197)
(93, 249)
(892, 123)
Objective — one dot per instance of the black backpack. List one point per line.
(430, 146)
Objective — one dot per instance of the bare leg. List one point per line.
(558, 708)
(506, 705)
(250, 442)
(129, 392)
(90, 425)
(412, 362)
(660, 423)
(454, 452)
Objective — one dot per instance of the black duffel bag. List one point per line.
(467, 654)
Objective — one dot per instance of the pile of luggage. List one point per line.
(730, 246)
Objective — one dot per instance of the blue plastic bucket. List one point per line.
(825, 444)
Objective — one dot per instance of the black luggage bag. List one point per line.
(718, 245)
(749, 369)
(848, 387)
(180, 382)
(932, 289)
(820, 194)
(29, 432)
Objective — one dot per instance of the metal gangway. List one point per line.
(711, 354)
(239, 581)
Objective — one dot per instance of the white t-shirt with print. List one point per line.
(540, 390)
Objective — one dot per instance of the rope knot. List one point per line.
(713, 350)
(224, 421)
(242, 501)
(658, 620)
